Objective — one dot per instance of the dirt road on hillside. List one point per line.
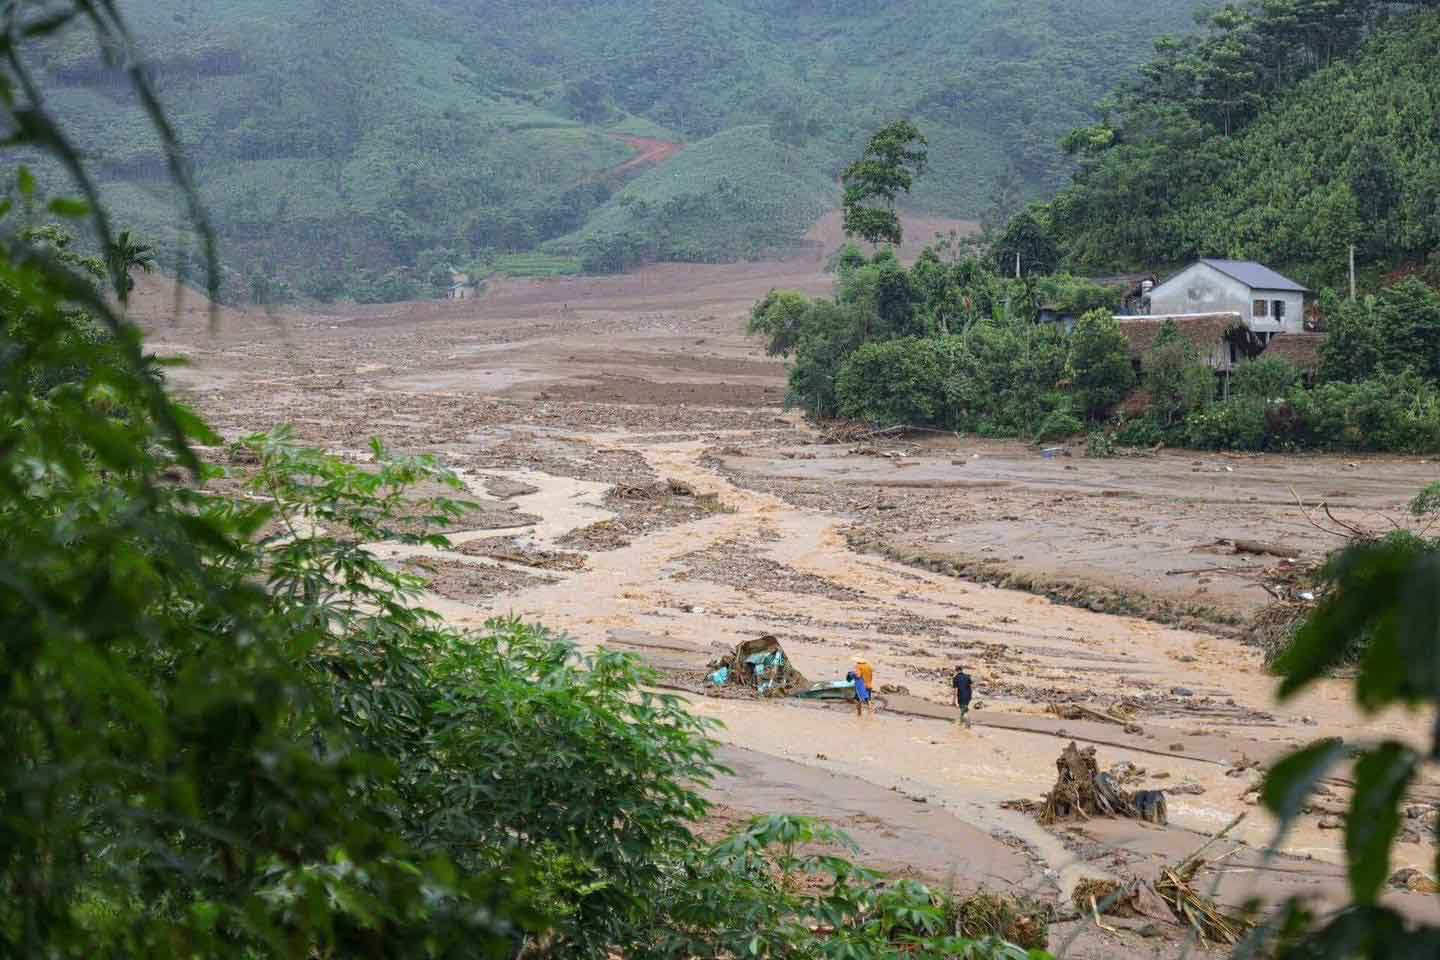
(568, 405)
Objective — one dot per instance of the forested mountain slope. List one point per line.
(1279, 137)
(362, 146)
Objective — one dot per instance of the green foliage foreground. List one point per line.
(1380, 610)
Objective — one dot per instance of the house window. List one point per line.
(1279, 310)
(1258, 309)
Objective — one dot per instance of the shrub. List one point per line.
(1143, 431)
(1177, 381)
(1100, 359)
(895, 382)
(1059, 423)
(1100, 445)
(1268, 378)
(1235, 424)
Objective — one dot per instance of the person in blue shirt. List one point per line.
(862, 692)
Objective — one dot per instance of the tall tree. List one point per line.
(893, 158)
(127, 254)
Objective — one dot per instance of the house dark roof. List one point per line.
(1301, 349)
(1254, 275)
(1202, 329)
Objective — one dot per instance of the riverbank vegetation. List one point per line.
(950, 344)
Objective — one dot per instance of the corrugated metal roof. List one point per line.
(1257, 276)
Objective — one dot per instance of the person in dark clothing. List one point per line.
(964, 689)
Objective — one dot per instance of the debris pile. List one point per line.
(1122, 712)
(1202, 914)
(1082, 791)
(1273, 628)
(1018, 920)
(761, 665)
(1170, 899)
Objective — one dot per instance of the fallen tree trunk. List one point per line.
(1262, 548)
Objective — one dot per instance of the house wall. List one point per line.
(1201, 288)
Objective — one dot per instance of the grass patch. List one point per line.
(536, 265)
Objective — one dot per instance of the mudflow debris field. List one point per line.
(639, 486)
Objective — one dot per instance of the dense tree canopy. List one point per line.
(1286, 132)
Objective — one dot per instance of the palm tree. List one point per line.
(126, 254)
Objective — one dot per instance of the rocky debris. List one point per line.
(1188, 788)
(505, 488)
(598, 537)
(472, 582)
(1427, 814)
(514, 550)
(742, 567)
(563, 457)
(1332, 822)
(1408, 878)
(643, 508)
(1118, 713)
(1126, 772)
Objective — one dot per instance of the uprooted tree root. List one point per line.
(1082, 791)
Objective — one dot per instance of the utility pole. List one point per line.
(1352, 271)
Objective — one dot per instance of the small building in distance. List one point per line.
(1062, 316)
(461, 286)
(1267, 302)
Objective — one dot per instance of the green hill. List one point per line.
(1338, 145)
(362, 147)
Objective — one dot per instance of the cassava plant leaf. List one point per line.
(1381, 778)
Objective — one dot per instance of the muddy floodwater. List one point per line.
(639, 486)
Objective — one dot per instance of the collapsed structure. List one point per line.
(760, 664)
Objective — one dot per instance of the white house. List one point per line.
(1267, 302)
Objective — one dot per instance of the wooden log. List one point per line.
(1265, 549)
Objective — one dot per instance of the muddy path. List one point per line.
(682, 595)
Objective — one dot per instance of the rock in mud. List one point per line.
(1331, 822)
(1408, 878)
